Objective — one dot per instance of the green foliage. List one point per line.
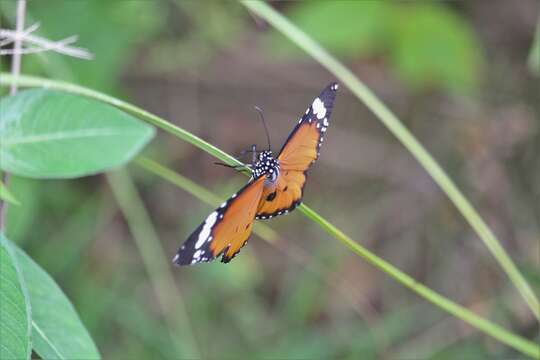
(54, 135)
(112, 30)
(426, 44)
(20, 219)
(6, 195)
(434, 46)
(501, 334)
(15, 324)
(57, 332)
(347, 28)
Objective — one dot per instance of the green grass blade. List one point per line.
(515, 341)
(6, 195)
(155, 261)
(534, 55)
(392, 123)
(525, 346)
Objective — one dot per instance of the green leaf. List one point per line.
(344, 27)
(6, 195)
(48, 134)
(57, 331)
(15, 324)
(434, 46)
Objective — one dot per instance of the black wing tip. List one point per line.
(334, 86)
(178, 261)
(328, 95)
(227, 259)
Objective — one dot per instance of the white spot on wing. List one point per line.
(318, 108)
(325, 122)
(175, 258)
(207, 228)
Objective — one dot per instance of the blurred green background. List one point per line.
(456, 73)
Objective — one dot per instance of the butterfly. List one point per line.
(275, 188)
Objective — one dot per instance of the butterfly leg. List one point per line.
(254, 151)
(235, 167)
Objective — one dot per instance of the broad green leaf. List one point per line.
(15, 317)
(49, 134)
(57, 331)
(434, 46)
(6, 195)
(345, 28)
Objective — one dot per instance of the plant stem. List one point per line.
(15, 71)
(396, 127)
(444, 303)
(17, 44)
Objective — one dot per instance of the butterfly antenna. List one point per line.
(259, 110)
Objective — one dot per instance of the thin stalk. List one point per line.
(396, 127)
(17, 44)
(534, 55)
(525, 346)
(15, 71)
(515, 341)
(155, 262)
(6, 195)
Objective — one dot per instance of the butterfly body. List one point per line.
(266, 165)
(275, 188)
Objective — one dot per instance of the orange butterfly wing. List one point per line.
(299, 152)
(225, 230)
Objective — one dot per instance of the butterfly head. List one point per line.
(266, 165)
